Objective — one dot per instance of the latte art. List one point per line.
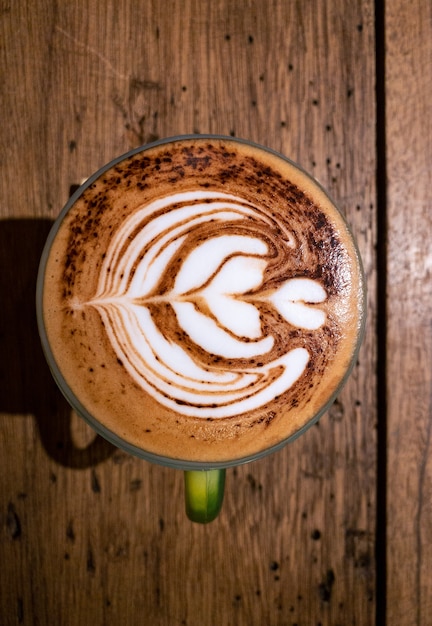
(215, 294)
(202, 300)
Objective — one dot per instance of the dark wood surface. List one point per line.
(336, 528)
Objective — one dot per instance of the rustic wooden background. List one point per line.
(334, 530)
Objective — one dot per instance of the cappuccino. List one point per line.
(202, 300)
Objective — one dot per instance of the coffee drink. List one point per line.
(202, 299)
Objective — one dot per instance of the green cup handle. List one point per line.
(204, 492)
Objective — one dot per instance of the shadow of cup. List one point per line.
(26, 384)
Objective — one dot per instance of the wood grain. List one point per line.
(91, 535)
(409, 391)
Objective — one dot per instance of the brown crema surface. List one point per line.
(306, 237)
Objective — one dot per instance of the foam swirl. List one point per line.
(182, 292)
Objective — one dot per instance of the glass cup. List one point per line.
(204, 481)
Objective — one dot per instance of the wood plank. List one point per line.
(409, 158)
(90, 534)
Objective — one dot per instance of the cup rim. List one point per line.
(74, 402)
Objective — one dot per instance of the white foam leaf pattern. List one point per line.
(237, 276)
(216, 297)
(207, 333)
(205, 260)
(292, 299)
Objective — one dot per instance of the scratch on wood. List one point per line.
(70, 533)
(95, 484)
(20, 611)
(91, 566)
(13, 522)
(97, 54)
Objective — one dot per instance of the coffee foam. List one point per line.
(224, 302)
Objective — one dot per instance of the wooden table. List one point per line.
(337, 528)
